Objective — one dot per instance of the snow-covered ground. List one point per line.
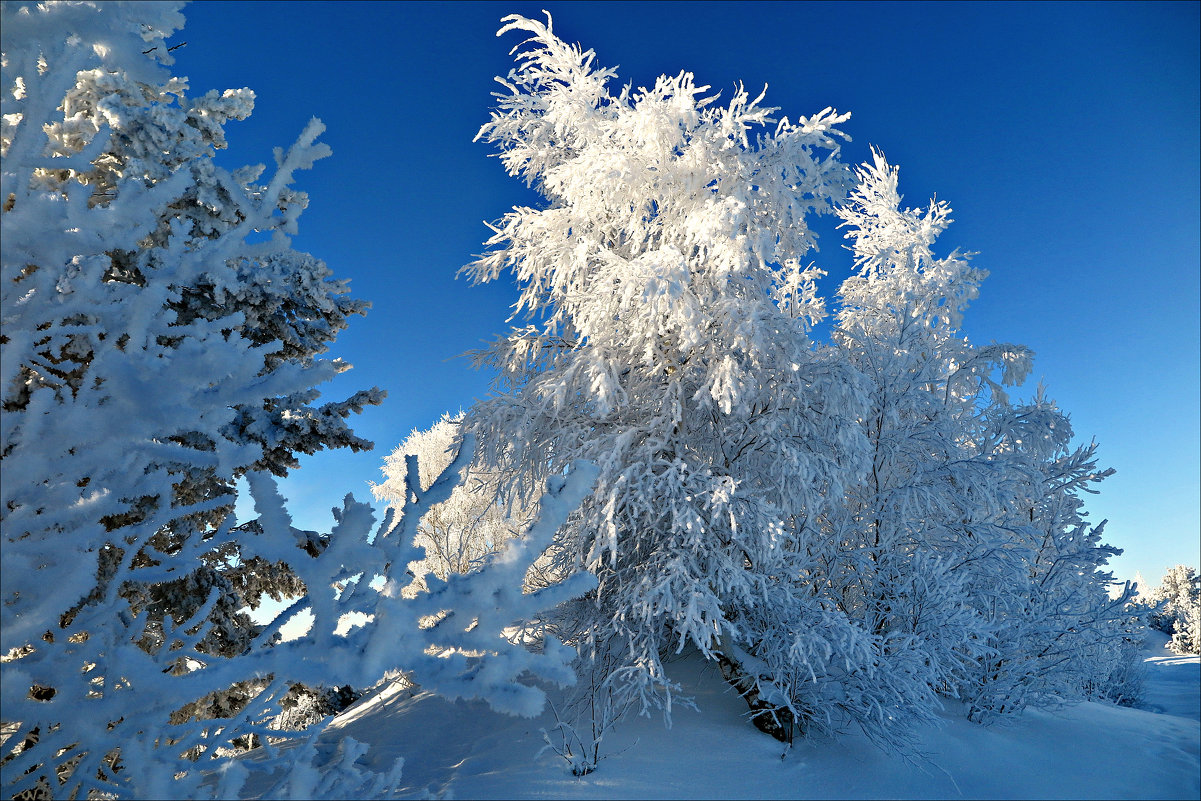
(1088, 750)
(1174, 680)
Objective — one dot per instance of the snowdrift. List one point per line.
(1087, 750)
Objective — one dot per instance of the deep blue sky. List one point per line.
(1065, 137)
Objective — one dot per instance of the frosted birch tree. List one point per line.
(457, 535)
(903, 546)
(966, 545)
(670, 305)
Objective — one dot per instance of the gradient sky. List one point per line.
(1064, 136)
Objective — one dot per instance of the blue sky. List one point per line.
(1065, 137)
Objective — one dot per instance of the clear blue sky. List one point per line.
(1065, 137)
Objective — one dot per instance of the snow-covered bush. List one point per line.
(1057, 633)
(591, 710)
(161, 338)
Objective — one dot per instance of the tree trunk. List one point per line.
(777, 721)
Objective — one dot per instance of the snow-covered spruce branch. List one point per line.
(151, 355)
(469, 653)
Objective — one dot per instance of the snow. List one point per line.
(1088, 750)
(1177, 686)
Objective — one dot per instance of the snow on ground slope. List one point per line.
(1089, 750)
(1175, 685)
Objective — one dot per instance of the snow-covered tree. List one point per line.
(966, 541)
(849, 529)
(150, 352)
(668, 343)
(906, 545)
(839, 526)
(471, 524)
(122, 128)
(1186, 639)
(1176, 608)
(1055, 632)
(117, 128)
(160, 338)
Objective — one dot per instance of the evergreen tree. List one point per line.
(129, 128)
(161, 338)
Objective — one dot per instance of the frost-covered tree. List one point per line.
(471, 524)
(895, 549)
(160, 337)
(151, 354)
(668, 343)
(966, 543)
(128, 128)
(1186, 639)
(1055, 632)
(1176, 608)
(849, 529)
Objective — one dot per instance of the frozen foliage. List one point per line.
(161, 338)
(464, 638)
(460, 532)
(672, 350)
(99, 138)
(1186, 639)
(966, 541)
(1176, 608)
(849, 529)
